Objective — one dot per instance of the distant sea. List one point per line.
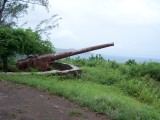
(119, 59)
(122, 59)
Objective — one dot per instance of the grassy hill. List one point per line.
(122, 91)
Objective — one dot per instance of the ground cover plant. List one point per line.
(121, 91)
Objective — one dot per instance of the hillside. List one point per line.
(119, 91)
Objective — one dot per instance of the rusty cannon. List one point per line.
(44, 62)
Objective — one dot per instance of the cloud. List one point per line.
(65, 33)
(136, 11)
(132, 24)
(119, 11)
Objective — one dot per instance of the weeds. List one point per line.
(74, 112)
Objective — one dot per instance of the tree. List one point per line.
(7, 46)
(11, 10)
(30, 42)
(21, 41)
(131, 62)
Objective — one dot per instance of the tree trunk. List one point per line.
(5, 63)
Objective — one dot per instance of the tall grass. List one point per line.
(136, 80)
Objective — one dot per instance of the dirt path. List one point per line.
(20, 102)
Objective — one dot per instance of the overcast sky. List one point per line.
(133, 25)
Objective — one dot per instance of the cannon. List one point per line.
(44, 62)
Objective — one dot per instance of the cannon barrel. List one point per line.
(75, 52)
(43, 62)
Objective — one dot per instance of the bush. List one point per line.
(131, 62)
(135, 71)
(152, 69)
(124, 70)
(113, 64)
(102, 75)
(146, 91)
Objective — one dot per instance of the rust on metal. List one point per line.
(43, 63)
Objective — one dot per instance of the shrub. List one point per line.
(152, 69)
(113, 64)
(131, 62)
(146, 91)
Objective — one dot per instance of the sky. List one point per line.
(133, 25)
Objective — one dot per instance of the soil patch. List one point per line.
(20, 102)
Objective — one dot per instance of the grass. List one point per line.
(121, 91)
(102, 98)
(74, 112)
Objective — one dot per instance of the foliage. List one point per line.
(131, 62)
(91, 61)
(31, 42)
(118, 90)
(152, 69)
(74, 112)
(105, 99)
(47, 24)
(12, 10)
(13, 41)
(96, 57)
(23, 41)
(137, 80)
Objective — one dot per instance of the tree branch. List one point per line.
(1, 10)
(34, 2)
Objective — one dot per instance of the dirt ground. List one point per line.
(20, 102)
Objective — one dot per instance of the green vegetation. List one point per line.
(74, 112)
(21, 41)
(12, 10)
(122, 91)
(15, 40)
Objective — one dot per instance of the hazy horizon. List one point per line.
(120, 59)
